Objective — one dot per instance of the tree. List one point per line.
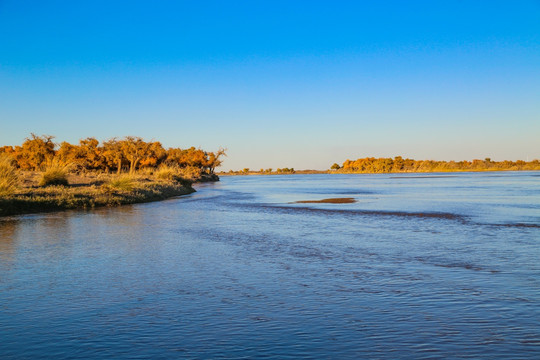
(35, 151)
(114, 157)
(134, 149)
(90, 154)
(68, 153)
(156, 154)
(214, 160)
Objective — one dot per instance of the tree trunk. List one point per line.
(133, 165)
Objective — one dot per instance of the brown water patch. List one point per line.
(328, 201)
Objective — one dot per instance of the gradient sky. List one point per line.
(298, 84)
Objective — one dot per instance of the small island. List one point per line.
(41, 175)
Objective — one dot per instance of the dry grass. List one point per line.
(118, 191)
(190, 173)
(167, 172)
(124, 182)
(9, 179)
(86, 191)
(55, 174)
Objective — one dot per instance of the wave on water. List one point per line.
(425, 215)
(462, 218)
(403, 214)
(518, 225)
(453, 264)
(339, 192)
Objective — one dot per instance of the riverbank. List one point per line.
(93, 190)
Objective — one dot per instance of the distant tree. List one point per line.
(335, 166)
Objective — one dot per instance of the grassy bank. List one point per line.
(41, 175)
(90, 191)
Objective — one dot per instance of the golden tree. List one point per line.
(35, 151)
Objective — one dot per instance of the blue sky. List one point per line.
(298, 84)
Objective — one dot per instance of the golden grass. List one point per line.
(54, 174)
(87, 190)
(9, 179)
(124, 182)
(190, 173)
(167, 172)
(118, 191)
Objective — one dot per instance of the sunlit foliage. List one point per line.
(127, 154)
(285, 171)
(398, 164)
(9, 180)
(34, 152)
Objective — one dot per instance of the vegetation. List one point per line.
(9, 179)
(121, 182)
(41, 175)
(55, 174)
(398, 164)
(285, 171)
(111, 193)
(269, 171)
(130, 153)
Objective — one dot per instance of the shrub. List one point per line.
(166, 172)
(55, 173)
(9, 179)
(122, 182)
(190, 173)
(185, 176)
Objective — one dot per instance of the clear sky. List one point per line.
(298, 84)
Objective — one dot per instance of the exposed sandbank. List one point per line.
(328, 201)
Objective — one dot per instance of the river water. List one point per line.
(420, 266)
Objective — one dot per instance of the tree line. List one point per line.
(130, 153)
(399, 164)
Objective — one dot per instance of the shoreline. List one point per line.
(41, 201)
(86, 195)
(94, 194)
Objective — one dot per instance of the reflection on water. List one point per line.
(417, 267)
(8, 234)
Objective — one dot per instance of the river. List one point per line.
(420, 266)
